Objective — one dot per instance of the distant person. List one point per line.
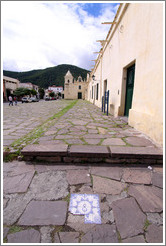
(15, 100)
(10, 100)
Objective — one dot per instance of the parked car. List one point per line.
(26, 100)
(47, 98)
(53, 98)
(34, 99)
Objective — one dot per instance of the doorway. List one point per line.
(105, 87)
(79, 95)
(129, 89)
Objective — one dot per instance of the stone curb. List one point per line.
(139, 152)
(88, 153)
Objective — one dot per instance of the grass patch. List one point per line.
(5, 240)
(92, 117)
(67, 198)
(80, 236)
(65, 141)
(91, 177)
(21, 142)
(147, 223)
(83, 140)
(127, 144)
(119, 237)
(101, 141)
(6, 149)
(71, 123)
(14, 229)
(63, 111)
(123, 124)
(126, 189)
(10, 157)
(58, 229)
(36, 142)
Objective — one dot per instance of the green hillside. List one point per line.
(49, 76)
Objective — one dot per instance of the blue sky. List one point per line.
(95, 9)
(36, 35)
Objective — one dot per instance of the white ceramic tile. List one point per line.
(86, 204)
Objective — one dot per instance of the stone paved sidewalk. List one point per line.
(84, 131)
(36, 201)
(130, 196)
(85, 124)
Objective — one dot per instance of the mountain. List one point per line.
(48, 76)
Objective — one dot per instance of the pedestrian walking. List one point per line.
(10, 101)
(15, 100)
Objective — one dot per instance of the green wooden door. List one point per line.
(79, 95)
(129, 88)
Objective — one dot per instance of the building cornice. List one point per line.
(118, 17)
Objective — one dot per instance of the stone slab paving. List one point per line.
(154, 234)
(101, 234)
(44, 213)
(157, 179)
(18, 183)
(113, 141)
(82, 125)
(69, 237)
(75, 177)
(139, 141)
(25, 117)
(155, 218)
(130, 211)
(43, 204)
(138, 176)
(25, 236)
(149, 198)
(114, 173)
(137, 239)
(88, 151)
(45, 232)
(130, 152)
(46, 150)
(107, 186)
(130, 220)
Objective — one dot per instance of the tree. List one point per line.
(21, 92)
(52, 94)
(41, 93)
(33, 92)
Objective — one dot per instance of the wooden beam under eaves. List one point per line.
(113, 22)
(97, 52)
(102, 41)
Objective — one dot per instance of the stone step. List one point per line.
(63, 153)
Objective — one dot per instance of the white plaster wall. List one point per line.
(71, 90)
(141, 41)
(98, 75)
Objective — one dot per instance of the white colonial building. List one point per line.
(130, 67)
(9, 86)
(74, 89)
(55, 89)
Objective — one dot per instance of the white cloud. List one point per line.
(38, 35)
